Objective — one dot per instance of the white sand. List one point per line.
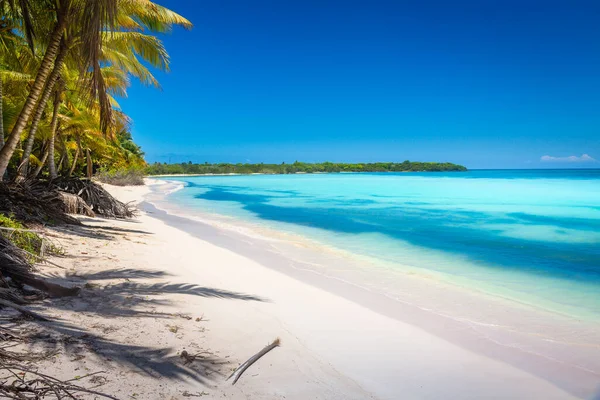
(332, 348)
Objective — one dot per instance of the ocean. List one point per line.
(528, 235)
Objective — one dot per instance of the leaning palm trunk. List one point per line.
(88, 161)
(37, 116)
(75, 158)
(61, 161)
(1, 116)
(53, 129)
(42, 161)
(64, 154)
(36, 90)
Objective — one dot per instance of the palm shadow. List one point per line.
(59, 336)
(128, 299)
(133, 299)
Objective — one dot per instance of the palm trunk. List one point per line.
(75, 158)
(64, 154)
(61, 161)
(53, 130)
(36, 90)
(88, 160)
(42, 161)
(1, 118)
(37, 116)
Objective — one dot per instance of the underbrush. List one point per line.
(132, 176)
(27, 240)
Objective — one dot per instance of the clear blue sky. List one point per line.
(488, 84)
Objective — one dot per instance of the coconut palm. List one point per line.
(96, 33)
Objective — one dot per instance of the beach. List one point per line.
(177, 291)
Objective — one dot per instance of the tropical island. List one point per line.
(190, 168)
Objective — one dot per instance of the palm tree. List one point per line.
(40, 79)
(86, 36)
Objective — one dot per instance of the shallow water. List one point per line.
(529, 236)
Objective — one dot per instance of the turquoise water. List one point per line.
(527, 235)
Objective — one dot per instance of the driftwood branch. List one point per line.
(242, 368)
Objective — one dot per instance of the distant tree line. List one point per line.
(299, 167)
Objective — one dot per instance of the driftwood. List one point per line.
(242, 368)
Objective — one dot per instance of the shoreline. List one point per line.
(539, 365)
(269, 233)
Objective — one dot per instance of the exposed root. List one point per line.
(74, 204)
(32, 203)
(96, 197)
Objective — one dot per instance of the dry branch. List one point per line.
(16, 385)
(240, 370)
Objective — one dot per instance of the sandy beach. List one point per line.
(154, 291)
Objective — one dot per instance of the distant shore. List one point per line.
(301, 167)
(294, 173)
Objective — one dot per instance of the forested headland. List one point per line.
(300, 167)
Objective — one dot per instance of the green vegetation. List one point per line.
(24, 239)
(63, 64)
(132, 176)
(299, 167)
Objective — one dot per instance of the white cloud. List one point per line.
(569, 159)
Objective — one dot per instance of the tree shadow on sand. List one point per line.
(99, 231)
(59, 336)
(133, 299)
(127, 299)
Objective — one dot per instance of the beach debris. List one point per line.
(186, 393)
(190, 358)
(15, 266)
(32, 202)
(18, 382)
(95, 196)
(74, 204)
(242, 368)
(23, 310)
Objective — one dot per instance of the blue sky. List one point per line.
(488, 84)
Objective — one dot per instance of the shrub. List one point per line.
(132, 176)
(28, 241)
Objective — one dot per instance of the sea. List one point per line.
(531, 235)
(510, 256)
